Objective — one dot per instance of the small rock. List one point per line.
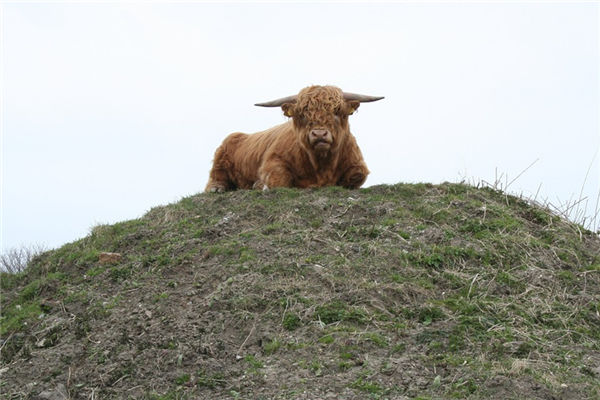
(109, 258)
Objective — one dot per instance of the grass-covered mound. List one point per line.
(404, 291)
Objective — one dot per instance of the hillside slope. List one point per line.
(404, 291)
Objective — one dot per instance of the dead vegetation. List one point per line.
(15, 260)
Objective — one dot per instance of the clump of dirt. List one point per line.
(403, 291)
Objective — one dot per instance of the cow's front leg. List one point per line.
(273, 174)
(218, 181)
(354, 177)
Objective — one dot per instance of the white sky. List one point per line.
(111, 109)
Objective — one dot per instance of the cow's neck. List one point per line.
(323, 162)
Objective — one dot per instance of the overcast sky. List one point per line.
(111, 109)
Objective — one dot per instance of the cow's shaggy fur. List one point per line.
(289, 154)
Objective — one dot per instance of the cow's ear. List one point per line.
(352, 105)
(288, 109)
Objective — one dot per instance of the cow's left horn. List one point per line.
(361, 97)
(278, 102)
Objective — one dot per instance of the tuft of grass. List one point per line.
(338, 311)
(271, 347)
(327, 339)
(210, 380)
(182, 379)
(368, 386)
(291, 321)
(253, 362)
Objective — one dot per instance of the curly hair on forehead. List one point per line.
(325, 98)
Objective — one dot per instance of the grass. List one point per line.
(421, 291)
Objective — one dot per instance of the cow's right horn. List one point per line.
(361, 97)
(278, 102)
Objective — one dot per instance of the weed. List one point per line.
(253, 362)
(118, 274)
(291, 321)
(208, 380)
(271, 347)
(463, 389)
(365, 385)
(182, 379)
(344, 366)
(399, 348)
(316, 367)
(425, 315)
(161, 296)
(272, 228)
(337, 311)
(170, 395)
(375, 338)
(327, 339)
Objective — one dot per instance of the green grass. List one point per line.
(337, 311)
(365, 385)
(291, 321)
(16, 316)
(271, 347)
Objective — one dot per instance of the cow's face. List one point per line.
(320, 116)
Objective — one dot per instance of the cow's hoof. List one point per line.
(216, 189)
(356, 180)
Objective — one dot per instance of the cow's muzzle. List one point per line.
(320, 139)
(320, 135)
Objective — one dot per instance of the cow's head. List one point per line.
(320, 115)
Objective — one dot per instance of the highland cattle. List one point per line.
(313, 149)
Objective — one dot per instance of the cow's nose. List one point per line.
(319, 133)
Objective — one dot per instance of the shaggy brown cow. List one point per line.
(314, 149)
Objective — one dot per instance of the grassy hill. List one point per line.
(400, 292)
